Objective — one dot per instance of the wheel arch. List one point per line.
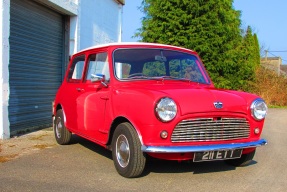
(59, 106)
(114, 125)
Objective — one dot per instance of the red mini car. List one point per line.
(143, 99)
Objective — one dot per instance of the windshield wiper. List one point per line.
(169, 77)
(137, 77)
(162, 78)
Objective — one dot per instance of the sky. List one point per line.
(267, 19)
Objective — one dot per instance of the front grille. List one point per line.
(211, 129)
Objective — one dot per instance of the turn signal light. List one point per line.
(164, 134)
(257, 131)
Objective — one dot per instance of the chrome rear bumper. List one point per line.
(189, 149)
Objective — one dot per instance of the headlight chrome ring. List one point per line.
(166, 109)
(258, 109)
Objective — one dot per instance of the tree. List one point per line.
(211, 27)
(249, 59)
(256, 49)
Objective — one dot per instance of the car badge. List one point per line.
(218, 105)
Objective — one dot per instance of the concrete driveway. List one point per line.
(84, 166)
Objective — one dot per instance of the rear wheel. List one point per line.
(62, 134)
(244, 160)
(128, 158)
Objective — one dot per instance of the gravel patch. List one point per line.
(26, 144)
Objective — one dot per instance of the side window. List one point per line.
(98, 64)
(76, 70)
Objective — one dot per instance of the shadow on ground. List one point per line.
(162, 166)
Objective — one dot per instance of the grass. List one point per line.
(277, 107)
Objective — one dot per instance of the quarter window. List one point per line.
(76, 70)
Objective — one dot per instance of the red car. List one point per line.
(142, 99)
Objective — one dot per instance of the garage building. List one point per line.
(37, 38)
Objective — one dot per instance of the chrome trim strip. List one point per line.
(188, 149)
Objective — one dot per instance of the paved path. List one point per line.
(84, 166)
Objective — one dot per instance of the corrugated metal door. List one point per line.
(35, 69)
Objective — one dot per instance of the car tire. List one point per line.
(62, 134)
(244, 160)
(128, 158)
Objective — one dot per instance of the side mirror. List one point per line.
(99, 77)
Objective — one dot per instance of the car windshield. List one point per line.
(146, 64)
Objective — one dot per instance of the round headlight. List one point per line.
(258, 109)
(166, 109)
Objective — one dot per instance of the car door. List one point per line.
(96, 96)
(73, 89)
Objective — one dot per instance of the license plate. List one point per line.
(217, 155)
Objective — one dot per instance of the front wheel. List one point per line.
(62, 134)
(128, 158)
(244, 160)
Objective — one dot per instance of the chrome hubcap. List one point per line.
(59, 127)
(122, 151)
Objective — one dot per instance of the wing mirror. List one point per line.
(99, 77)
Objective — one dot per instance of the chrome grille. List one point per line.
(211, 129)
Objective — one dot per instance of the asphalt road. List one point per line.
(84, 166)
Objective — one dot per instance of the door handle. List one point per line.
(104, 97)
(79, 89)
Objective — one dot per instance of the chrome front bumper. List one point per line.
(190, 149)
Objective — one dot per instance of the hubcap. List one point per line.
(59, 127)
(122, 151)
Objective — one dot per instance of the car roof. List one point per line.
(134, 44)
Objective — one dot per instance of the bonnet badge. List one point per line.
(218, 105)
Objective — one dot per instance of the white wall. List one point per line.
(66, 7)
(92, 22)
(99, 22)
(4, 74)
